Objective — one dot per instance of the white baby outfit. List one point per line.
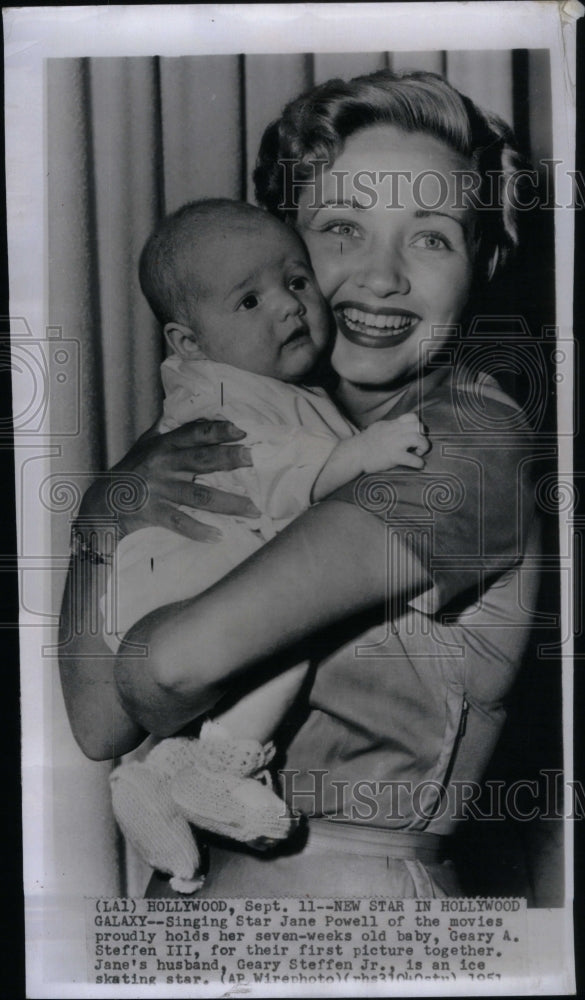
(291, 431)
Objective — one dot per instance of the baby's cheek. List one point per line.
(329, 274)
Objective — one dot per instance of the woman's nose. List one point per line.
(383, 272)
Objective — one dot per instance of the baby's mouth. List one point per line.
(382, 328)
(300, 332)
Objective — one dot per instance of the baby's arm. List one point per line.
(382, 446)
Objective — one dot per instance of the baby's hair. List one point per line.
(168, 262)
(315, 125)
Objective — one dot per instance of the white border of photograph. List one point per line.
(32, 35)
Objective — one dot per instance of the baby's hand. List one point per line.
(388, 443)
(382, 446)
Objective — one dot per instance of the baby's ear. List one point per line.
(182, 341)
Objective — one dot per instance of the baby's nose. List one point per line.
(289, 305)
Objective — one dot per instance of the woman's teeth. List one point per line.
(357, 320)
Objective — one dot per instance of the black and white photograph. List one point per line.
(293, 406)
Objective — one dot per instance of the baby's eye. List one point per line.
(250, 302)
(299, 283)
(432, 241)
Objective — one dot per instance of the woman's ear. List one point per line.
(183, 341)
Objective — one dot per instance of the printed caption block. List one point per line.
(242, 942)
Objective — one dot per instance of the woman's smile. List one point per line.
(382, 327)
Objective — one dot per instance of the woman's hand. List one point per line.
(160, 472)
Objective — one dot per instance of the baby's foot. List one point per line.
(244, 809)
(149, 818)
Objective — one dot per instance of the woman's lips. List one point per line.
(374, 328)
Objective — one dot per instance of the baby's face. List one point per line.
(260, 307)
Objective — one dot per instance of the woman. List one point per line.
(384, 177)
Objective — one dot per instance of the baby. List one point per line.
(245, 321)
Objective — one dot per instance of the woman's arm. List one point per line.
(163, 467)
(100, 723)
(331, 562)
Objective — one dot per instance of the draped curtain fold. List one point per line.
(128, 140)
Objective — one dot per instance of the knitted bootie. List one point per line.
(227, 790)
(218, 750)
(149, 818)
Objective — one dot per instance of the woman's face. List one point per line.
(393, 255)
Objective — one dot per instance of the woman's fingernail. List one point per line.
(235, 432)
(212, 535)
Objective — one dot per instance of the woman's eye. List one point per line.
(250, 302)
(342, 229)
(432, 241)
(299, 284)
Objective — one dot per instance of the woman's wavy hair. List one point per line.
(313, 128)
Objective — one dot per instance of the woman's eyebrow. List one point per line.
(340, 203)
(425, 213)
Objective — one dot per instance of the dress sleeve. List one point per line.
(467, 514)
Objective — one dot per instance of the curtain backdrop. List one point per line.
(129, 139)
